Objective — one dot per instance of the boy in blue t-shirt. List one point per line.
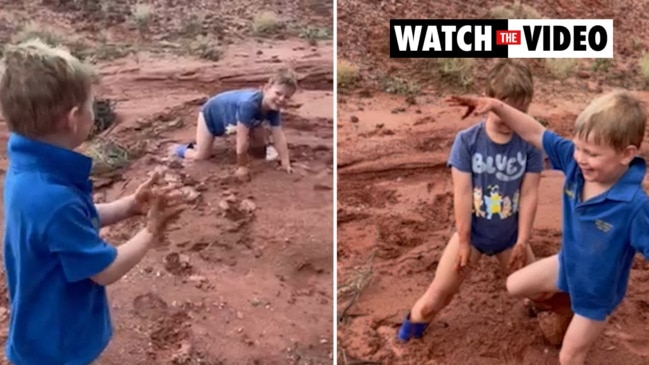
(605, 211)
(56, 264)
(244, 110)
(495, 179)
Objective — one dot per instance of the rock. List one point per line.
(321, 186)
(183, 355)
(354, 119)
(223, 204)
(247, 206)
(583, 75)
(190, 193)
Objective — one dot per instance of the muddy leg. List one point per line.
(537, 281)
(258, 137)
(504, 256)
(204, 140)
(446, 283)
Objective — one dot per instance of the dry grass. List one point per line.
(106, 155)
(34, 30)
(266, 23)
(352, 288)
(205, 47)
(561, 68)
(52, 37)
(643, 64)
(142, 14)
(457, 71)
(398, 86)
(514, 11)
(313, 34)
(346, 74)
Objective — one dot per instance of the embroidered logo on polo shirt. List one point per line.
(603, 226)
(95, 222)
(569, 190)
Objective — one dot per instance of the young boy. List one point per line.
(56, 263)
(495, 178)
(605, 211)
(245, 110)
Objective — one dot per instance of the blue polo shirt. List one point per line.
(51, 249)
(600, 235)
(237, 106)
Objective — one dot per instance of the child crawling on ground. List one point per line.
(244, 111)
(495, 179)
(605, 212)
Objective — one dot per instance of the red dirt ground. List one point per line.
(246, 274)
(395, 200)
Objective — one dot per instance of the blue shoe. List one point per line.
(182, 148)
(410, 330)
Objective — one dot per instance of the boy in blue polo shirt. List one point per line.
(605, 211)
(244, 111)
(56, 264)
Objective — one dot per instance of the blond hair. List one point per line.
(284, 76)
(616, 119)
(39, 85)
(510, 80)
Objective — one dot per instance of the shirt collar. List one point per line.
(626, 188)
(32, 155)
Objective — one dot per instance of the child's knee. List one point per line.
(258, 136)
(258, 152)
(572, 355)
(513, 285)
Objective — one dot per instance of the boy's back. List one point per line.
(234, 106)
(57, 313)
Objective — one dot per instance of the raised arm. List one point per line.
(528, 128)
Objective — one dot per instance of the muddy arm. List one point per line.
(242, 144)
(282, 145)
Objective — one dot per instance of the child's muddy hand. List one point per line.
(473, 103)
(143, 195)
(164, 209)
(518, 257)
(286, 167)
(242, 174)
(463, 257)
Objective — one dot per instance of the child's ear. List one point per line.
(629, 154)
(71, 119)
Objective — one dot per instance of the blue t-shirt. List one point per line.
(51, 249)
(230, 107)
(600, 235)
(497, 172)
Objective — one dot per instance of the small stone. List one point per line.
(247, 206)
